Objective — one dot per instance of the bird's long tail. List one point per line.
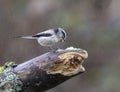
(26, 37)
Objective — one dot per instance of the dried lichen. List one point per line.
(9, 81)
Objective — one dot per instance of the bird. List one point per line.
(48, 38)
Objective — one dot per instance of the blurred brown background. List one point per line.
(93, 25)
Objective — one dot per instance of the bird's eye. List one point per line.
(56, 30)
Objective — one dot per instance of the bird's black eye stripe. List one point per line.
(43, 35)
(63, 34)
(56, 30)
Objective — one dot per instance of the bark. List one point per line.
(50, 69)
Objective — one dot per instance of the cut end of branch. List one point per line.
(69, 62)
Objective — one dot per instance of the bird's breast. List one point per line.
(47, 41)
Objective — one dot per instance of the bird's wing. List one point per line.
(42, 35)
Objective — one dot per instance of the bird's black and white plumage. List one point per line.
(49, 37)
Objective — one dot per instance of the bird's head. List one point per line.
(60, 33)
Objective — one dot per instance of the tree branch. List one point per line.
(50, 69)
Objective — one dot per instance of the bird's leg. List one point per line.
(52, 49)
(57, 47)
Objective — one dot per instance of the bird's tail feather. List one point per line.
(26, 37)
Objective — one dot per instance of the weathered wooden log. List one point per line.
(50, 69)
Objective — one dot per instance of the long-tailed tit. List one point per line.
(49, 37)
